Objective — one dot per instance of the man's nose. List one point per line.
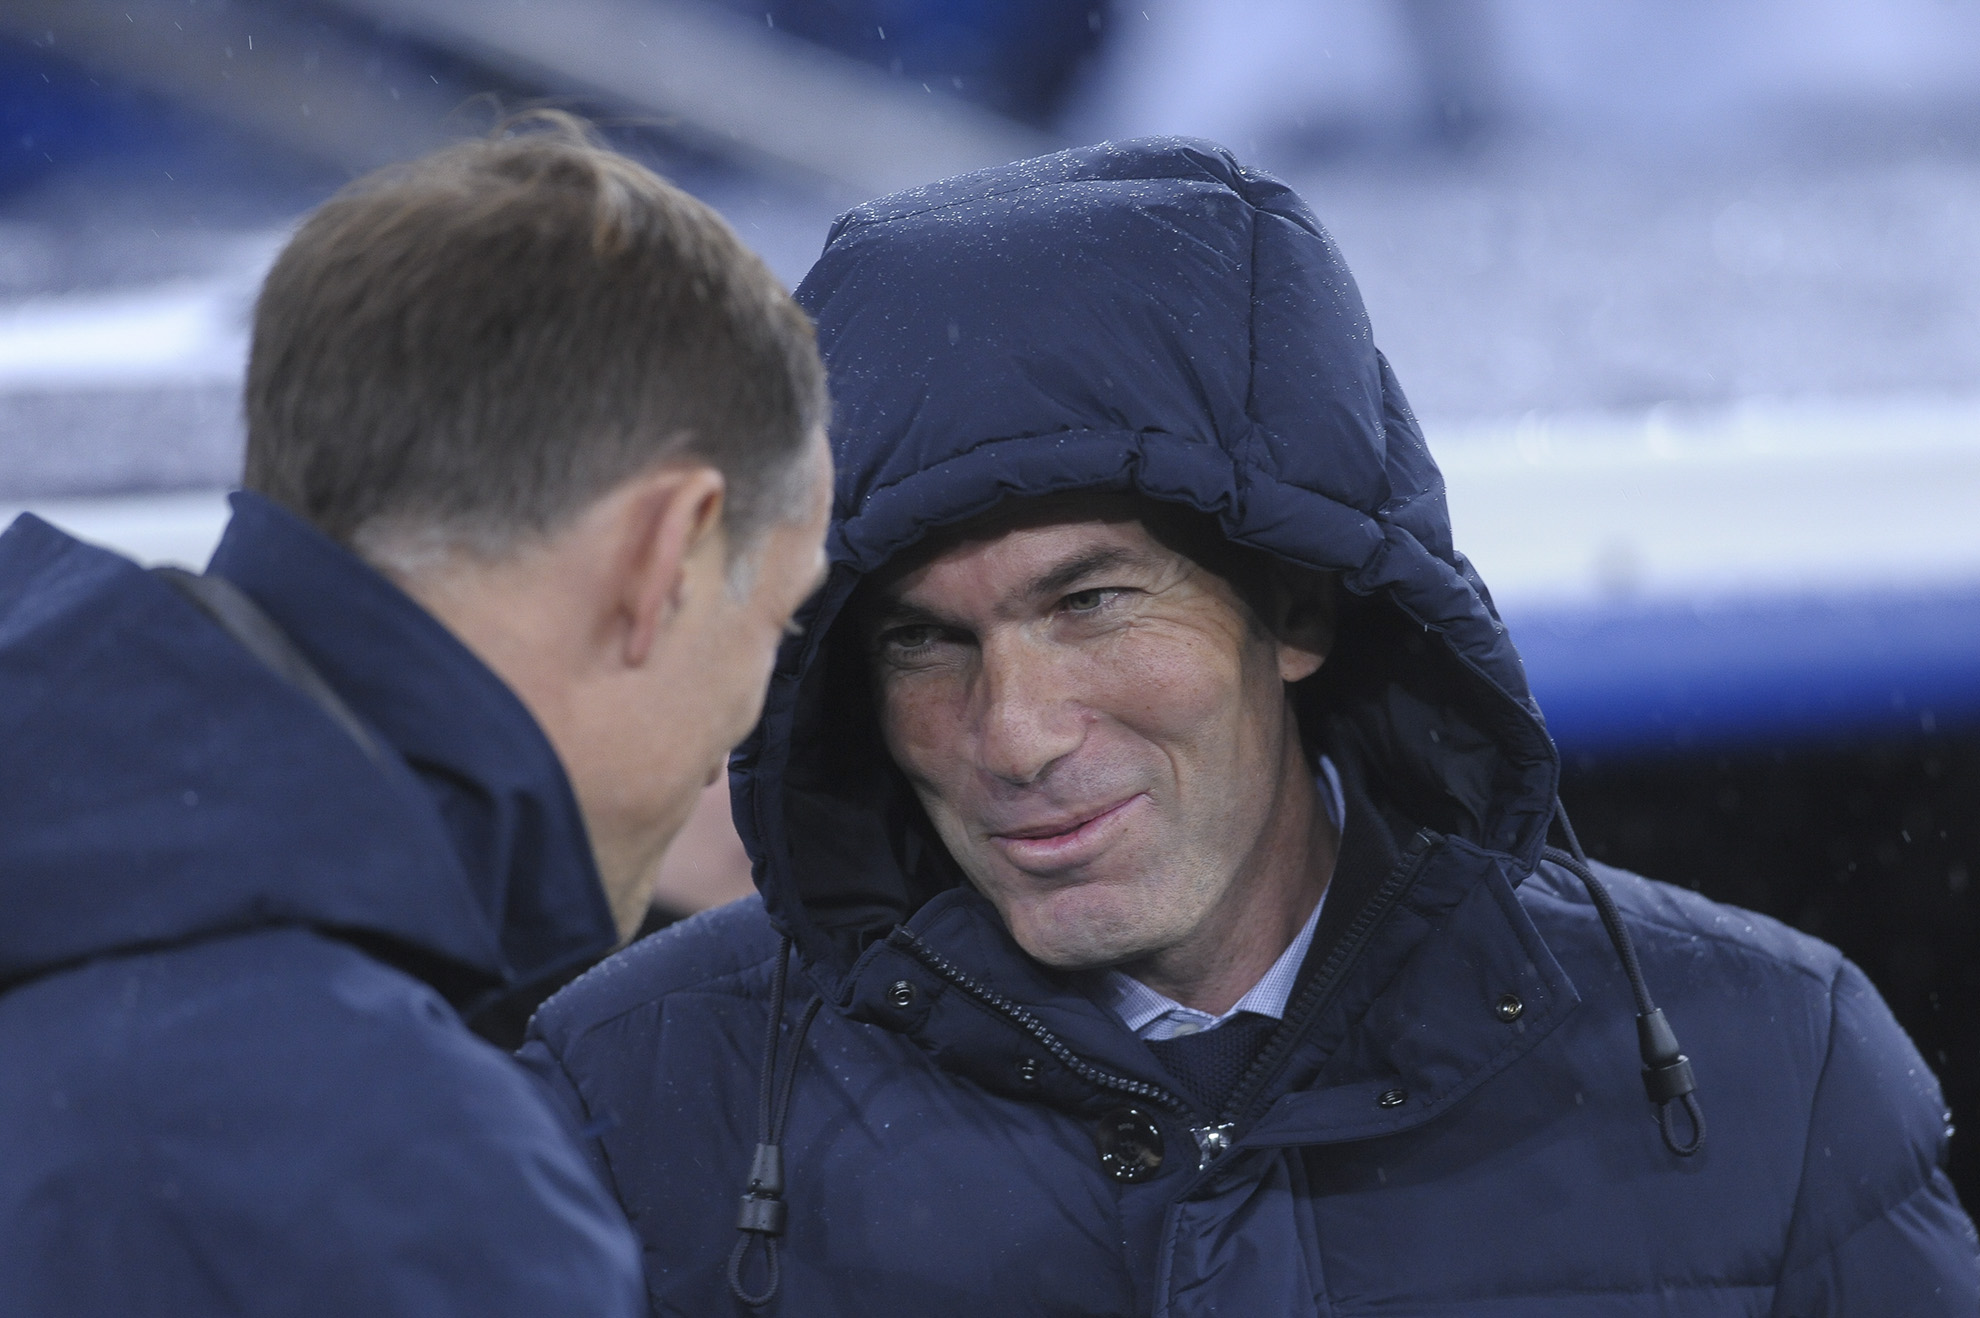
(1026, 720)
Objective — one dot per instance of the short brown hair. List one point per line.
(477, 345)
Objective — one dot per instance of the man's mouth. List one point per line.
(1068, 840)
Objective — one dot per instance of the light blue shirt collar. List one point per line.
(1153, 1015)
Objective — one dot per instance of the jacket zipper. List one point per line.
(1319, 994)
(1326, 983)
(1031, 1025)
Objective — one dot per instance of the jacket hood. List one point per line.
(162, 785)
(1147, 317)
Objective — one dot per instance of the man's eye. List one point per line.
(906, 638)
(1087, 601)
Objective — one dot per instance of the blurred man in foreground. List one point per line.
(535, 479)
(1152, 829)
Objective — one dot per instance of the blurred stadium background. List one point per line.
(1686, 293)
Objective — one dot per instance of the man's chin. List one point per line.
(1080, 929)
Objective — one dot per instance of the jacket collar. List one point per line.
(492, 775)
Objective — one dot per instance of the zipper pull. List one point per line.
(1212, 1142)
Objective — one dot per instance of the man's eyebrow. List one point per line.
(1057, 579)
(892, 612)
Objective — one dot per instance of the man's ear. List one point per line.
(671, 542)
(1303, 607)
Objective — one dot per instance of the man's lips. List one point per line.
(1065, 841)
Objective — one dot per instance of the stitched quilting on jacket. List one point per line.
(1451, 1119)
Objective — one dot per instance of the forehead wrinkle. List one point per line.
(1076, 568)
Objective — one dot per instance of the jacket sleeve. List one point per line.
(1877, 1227)
(296, 1151)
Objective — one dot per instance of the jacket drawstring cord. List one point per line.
(763, 1207)
(1667, 1075)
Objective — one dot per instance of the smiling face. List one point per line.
(1098, 728)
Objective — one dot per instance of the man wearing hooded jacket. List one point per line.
(1152, 828)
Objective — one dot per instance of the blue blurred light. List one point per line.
(1788, 670)
(54, 114)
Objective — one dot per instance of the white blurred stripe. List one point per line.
(1567, 513)
(181, 527)
(182, 333)
(1763, 498)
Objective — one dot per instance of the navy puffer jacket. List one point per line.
(1451, 1120)
(233, 1079)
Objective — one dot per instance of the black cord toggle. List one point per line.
(764, 1212)
(1667, 1077)
(763, 1207)
(1666, 1071)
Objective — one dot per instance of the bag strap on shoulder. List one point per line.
(240, 617)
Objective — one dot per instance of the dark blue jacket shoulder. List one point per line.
(727, 950)
(233, 1070)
